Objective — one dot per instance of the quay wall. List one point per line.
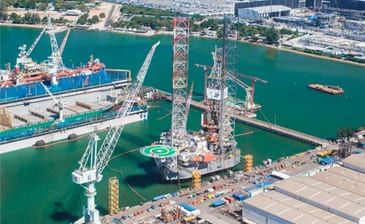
(258, 123)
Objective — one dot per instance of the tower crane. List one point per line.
(253, 81)
(56, 63)
(58, 103)
(93, 160)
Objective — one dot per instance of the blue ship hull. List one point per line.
(65, 84)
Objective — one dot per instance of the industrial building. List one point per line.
(293, 4)
(345, 4)
(335, 195)
(355, 162)
(262, 12)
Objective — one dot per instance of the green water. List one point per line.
(36, 185)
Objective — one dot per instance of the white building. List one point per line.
(269, 11)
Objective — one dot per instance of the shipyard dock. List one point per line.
(36, 122)
(240, 197)
(300, 136)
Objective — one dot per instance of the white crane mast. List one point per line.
(59, 103)
(94, 161)
(56, 63)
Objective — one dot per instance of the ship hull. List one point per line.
(185, 172)
(26, 91)
(66, 133)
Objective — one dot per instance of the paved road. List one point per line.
(293, 165)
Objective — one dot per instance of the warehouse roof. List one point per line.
(348, 173)
(355, 161)
(268, 9)
(293, 210)
(345, 183)
(315, 192)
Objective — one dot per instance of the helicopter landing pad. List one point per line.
(158, 151)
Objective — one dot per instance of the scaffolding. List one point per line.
(170, 214)
(248, 163)
(196, 181)
(113, 195)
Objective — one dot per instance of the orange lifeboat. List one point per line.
(208, 157)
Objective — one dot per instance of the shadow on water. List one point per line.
(61, 214)
(150, 177)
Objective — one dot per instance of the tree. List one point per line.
(15, 18)
(3, 7)
(344, 132)
(83, 19)
(102, 15)
(94, 19)
(272, 36)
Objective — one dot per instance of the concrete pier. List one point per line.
(300, 136)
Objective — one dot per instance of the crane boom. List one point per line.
(94, 161)
(188, 103)
(49, 93)
(63, 44)
(35, 42)
(113, 135)
(56, 56)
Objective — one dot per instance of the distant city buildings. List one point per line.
(295, 4)
(263, 12)
(345, 4)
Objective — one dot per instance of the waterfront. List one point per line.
(36, 184)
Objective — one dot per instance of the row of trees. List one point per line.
(348, 132)
(32, 18)
(43, 4)
(138, 17)
(156, 19)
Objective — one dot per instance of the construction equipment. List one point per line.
(253, 79)
(249, 105)
(24, 55)
(93, 160)
(55, 60)
(58, 103)
(63, 44)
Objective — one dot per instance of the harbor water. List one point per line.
(36, 185)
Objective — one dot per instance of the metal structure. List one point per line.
(23, 56)
(228, 67)
(58, 103)
(113, 195)
(63, 44)
(179, 80)
(249, 102)
(93, 160)
(55, 60)
(213, 148)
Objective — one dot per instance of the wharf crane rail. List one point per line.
(260, 124)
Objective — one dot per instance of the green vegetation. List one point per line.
(344, 132)
(43, 4)
(348, 132)
(136, 10)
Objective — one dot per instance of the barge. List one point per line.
(327, 88)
